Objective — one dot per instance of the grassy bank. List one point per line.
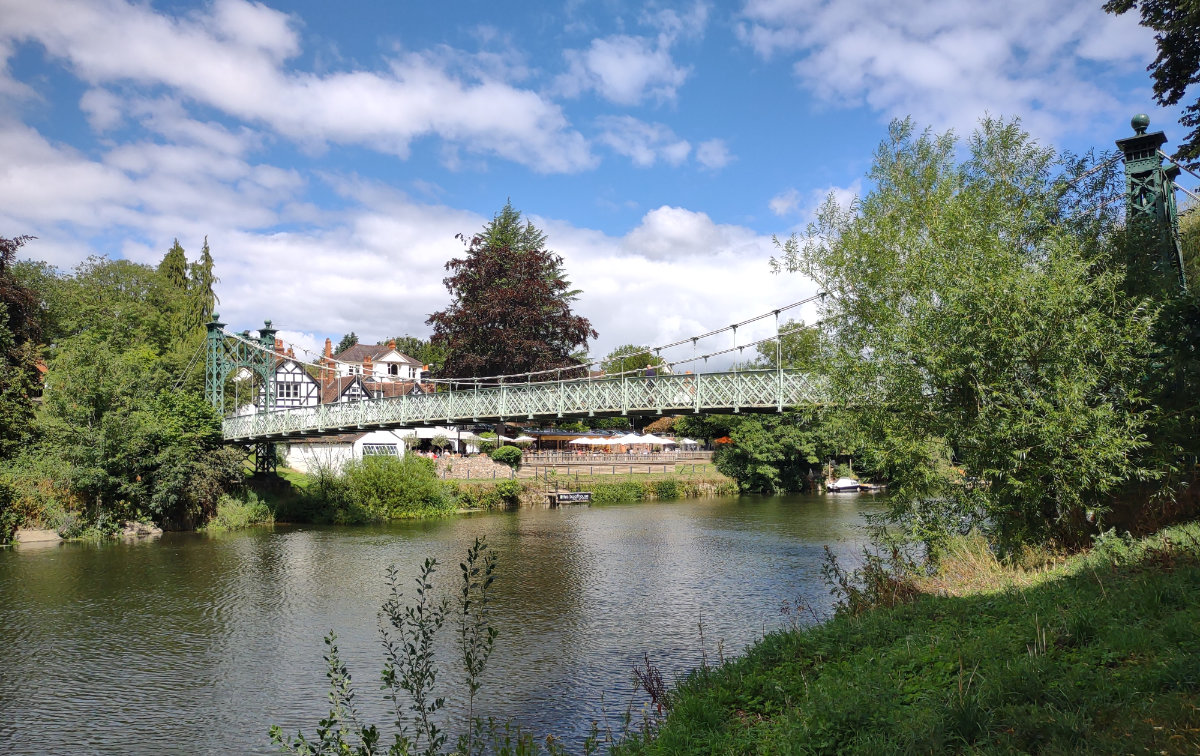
(1098, 654)
(297, 497)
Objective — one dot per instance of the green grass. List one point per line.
(1100, 654)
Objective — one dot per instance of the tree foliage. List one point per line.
(798, 347)
(348, 340)
(629, 358)
(20, 333)
(972, 322)
(510, 309)
(424, 350)
(123, 424)
(1177, 66)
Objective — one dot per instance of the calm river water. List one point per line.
(197, 644)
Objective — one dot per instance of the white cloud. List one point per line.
(675, 233)
(103, 109)
(946, 62)
(643, 143)
(375, 267)
(624, 70)
(713, 154)
(232, 59)
(785, 203)
(804, 205)
(630, 69)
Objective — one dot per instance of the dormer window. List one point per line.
(393, 369)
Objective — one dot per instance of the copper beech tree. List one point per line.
(510, 309)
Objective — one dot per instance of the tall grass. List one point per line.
(1097, 653)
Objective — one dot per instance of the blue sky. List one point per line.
(331, 151)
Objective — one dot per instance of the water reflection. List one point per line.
(195, 644)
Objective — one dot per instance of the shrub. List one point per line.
(667, 489)
(236, 514)
(509, 492)
(390, 487)
(614, 493)
(508, 455)
(10, 518)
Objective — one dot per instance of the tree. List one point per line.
(202, 282)
(1178, 63)
(347, 341)
(510, 309)
(972, 321)
(20, 333)
(798, 346)
(422, 349)
(629, 358)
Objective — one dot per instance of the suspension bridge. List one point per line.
(546, 396)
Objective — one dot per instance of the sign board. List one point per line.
(574, 497)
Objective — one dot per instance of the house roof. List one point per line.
(360, 352)
(333, 389)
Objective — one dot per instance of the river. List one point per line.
(196, 644)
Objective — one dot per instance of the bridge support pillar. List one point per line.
(1152, 219)
(264, 459)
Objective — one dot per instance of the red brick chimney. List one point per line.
(291, 354)
(391, 343)
(328, 348)
(278, 346)
(368, 368)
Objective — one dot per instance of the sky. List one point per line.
(331, 151)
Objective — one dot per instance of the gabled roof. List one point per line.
(360, 352)
(333, 389)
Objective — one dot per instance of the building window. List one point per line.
(287, 390)
(393, 369)
(356, 370)
(379, 450)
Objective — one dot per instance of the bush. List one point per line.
(614, 493)
(393, 488)
(236, 514)
(509, 492)
(667, 489)
(10, 518)
(508, 455)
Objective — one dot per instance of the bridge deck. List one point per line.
(756, 390)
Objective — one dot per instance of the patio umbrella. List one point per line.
(581, 440)
(650, 438)
(630, 438)
(689, 442)
(524, 439)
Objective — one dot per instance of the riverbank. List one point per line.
(292, 496)
(1100, 653)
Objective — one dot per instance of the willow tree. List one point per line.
(510, 309)
(983, 337)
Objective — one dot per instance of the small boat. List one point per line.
(843, 484)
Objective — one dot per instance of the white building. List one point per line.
(376, 362)
(333, 452)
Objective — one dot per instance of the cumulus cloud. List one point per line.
(630, 69)
(643, 143)
(233, 58)
(376, 265)
(624, 70)
(947, 62)
(713, 154)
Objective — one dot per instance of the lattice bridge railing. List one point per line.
(755, 390)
